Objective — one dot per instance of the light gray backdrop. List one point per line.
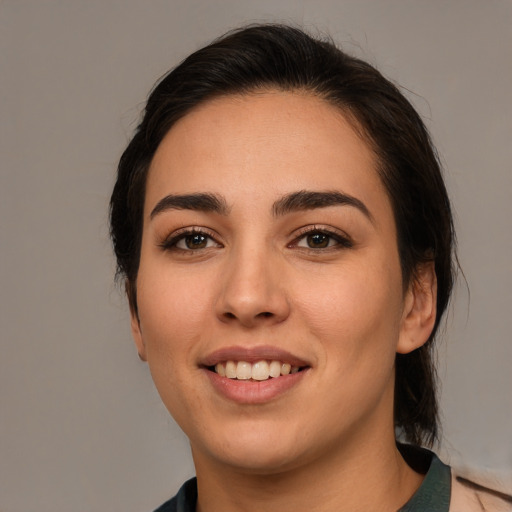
(81, 427)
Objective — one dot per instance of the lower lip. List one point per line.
(254, 392)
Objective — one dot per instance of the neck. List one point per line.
(363, 477)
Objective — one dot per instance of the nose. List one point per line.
(252, 291)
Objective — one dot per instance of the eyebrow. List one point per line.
(311, 200)
(202, 202)
(296, 201)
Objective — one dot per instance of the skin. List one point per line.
(342, 309)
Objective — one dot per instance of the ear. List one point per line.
(137, 335)
(419, 315)
(135, 321)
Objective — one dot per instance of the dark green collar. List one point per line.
(435, 491)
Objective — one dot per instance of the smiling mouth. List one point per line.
(258, 371)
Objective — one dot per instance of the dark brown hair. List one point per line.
(286, 58)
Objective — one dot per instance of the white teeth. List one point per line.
(219, 368)
(262, 370)
(275, 369)
(243, 370)
(231, 370)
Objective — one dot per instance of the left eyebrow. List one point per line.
(310, 200)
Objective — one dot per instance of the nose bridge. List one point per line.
(251, 290)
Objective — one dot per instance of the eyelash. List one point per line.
(171, 242)
(342, 240)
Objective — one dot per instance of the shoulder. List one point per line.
(184, 501)
(168, 506)
(470, 496)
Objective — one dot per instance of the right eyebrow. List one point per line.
(202, 202)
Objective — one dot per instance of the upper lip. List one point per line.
(252, 355)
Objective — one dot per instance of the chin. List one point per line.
(246, 445)
(256, 448)
(260, 462)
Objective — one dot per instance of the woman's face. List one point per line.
(269, 238)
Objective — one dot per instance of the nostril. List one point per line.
(264, 314)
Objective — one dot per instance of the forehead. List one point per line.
(264, 143)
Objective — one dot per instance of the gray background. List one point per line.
(81, 428)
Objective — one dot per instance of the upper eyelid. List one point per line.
(343, 239)
(179, 234)
(322, 228)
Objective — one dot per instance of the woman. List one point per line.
(286, 240)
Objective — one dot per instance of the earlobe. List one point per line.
(419, 315)
(137, 336)
(135, 321)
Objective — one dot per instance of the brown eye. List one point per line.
(193, 240)
(322, 239)
(318, 240)
(196, 241)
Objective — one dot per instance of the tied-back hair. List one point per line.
(278, 57)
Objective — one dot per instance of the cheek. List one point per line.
(173, 310)
(357, 312)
